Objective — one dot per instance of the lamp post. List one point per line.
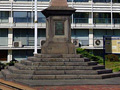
(35, 32)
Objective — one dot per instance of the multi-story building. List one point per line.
(92, 20)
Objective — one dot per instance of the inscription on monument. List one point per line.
(59, 28)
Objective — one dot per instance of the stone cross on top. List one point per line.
(58, 3)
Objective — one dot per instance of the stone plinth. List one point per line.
(59, 3)
(58, 30)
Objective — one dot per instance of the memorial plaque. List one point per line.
(59, 28)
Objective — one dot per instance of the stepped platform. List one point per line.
(55, 68)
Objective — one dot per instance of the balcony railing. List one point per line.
(4, 20)
(78, 0)
(116, 20)
(28, 20)
(102, 20)
(102, 1)
(33, 0)
(80, 20)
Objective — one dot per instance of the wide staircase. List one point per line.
(57, 67)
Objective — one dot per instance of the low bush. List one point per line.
(2, 66)
(112, 57)
(5, 65)
(89, 55)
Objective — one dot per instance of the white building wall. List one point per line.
(88, 7)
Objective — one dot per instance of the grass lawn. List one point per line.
(115, 66)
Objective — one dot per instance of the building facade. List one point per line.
(92, 20)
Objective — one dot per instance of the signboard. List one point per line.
(112, 44)
(59, 28)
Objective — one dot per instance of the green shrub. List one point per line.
(112, 57)
(11, 63)
(89, 55)
(2, 66)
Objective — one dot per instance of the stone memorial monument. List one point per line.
(58, 30)
(58, 60)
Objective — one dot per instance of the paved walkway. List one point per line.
(81, 87)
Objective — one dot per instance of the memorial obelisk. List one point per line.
(58, 28)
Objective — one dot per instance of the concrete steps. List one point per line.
(57, 67)
(59, 77)
(36, 59)
(24, 67)
(58, 55)
(1, 75)
(29, 63)
(15, 70)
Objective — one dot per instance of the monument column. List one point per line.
(58, 30)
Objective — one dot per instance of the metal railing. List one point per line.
(116, 20)
(102, 20)
(102, 1)
(4, 20)
(33, 0)
(28, 20)
(78, 0)
(80, 20)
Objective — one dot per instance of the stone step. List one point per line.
(65, 72)
(34, 59)
(104, 71)
(59, 77)
(51, 77)
(23, 67)
(58, 55)
(13, 69)
(29, 63)
(1, 76)
(5, 73)
(110, 75)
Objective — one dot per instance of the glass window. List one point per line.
(116, 1)
(22, 17)
(4, 17)
(102, 18)
(102, 1)
(81, 17)
(33, 0)
(26, 36)
(3, 37)
(98, 34)
(82, 36)
(22, 54)
(78, 0)
(28, 17)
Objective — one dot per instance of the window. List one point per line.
(81, 17)
(102, 18)
(27, 17)
(102, 1)
(26, 36)
(22, 17)
(33, 0)
(22, 54)
(78, 0)
(82, 36)
(3, 37)
(4, 17)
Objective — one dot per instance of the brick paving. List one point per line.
(80, 87)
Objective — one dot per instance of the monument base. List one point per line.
(58, 48)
